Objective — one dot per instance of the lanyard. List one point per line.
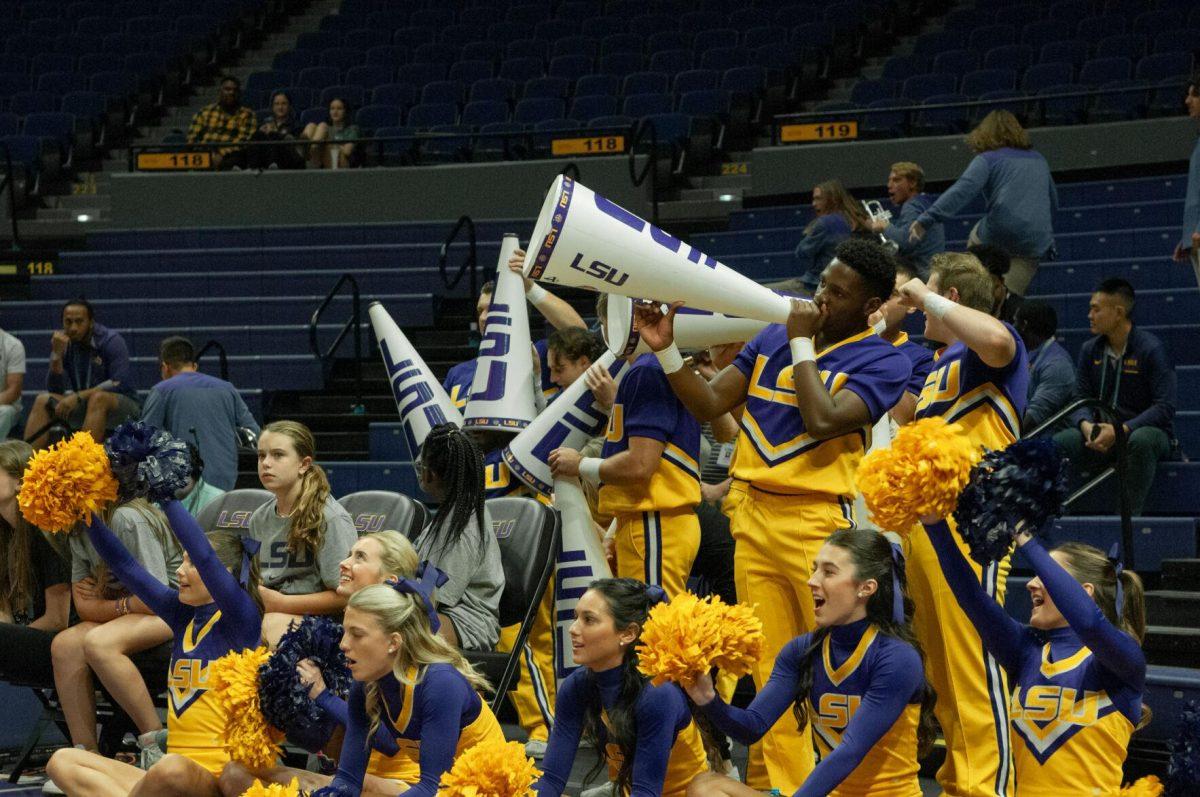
(1104, 377)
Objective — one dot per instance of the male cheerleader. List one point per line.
(979, 381)
(812, 390)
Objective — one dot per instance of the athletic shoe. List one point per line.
(149, 754)
(50, 787)
(535, 748)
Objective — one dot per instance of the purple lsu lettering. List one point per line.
(238, 519)
(495, 344)
(416, 394)
(367, 523)
(663, 239)
(583, 416)
(1048, 703)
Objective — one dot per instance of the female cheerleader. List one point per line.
(212, 613)
(649, 738)
(410, 682)
(459, 540)
(303, 531)
(859, 678)
(374, 559)
(1077, 670)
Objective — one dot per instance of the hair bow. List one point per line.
(427, 580)
(655, 594)
(250, 548)
(897, 592)
(1114, 557)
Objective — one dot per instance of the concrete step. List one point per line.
(96, 201)
(1173, 607)
(1181, 574)
(1172, 646)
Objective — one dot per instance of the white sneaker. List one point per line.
(50, 787)
(535, 748)
(149, 754)
(603, 790)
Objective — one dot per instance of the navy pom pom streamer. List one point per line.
(148, 462)
(1022, 485)
(1183, 768)
(285, 701)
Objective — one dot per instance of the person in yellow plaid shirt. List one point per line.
(226, 120)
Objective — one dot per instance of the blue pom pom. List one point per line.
(1023, 485)
(1183, 768)
(335, 790)
(148, 462)
(285, 701)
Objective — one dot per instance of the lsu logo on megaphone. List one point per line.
(415, 396)
(496, 343)
(572, 577)
(600, 271)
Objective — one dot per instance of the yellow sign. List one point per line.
(12, 268)
(173, 161)
(822, 131)
(598, 145)
(736, 167)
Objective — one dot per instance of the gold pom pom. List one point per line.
(491, 770)
(1149, 786)
(273, 790)
(689, 636)
(922, 473)
(233, 682)
(66, 484)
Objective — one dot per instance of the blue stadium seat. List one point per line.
(527, 48)
(97, 26)
(41, 64)
(611, 122)
(620, 63)
(943, 120)
(552, 87)
(500, 32)
(744, 80)
(757, 37)
(965, 20)
(448, 148)
(991, 36)
(418, 74)
(84, 105)
(1176, 41)
(26, 102)
(701, 20)
(598, 86)
(62, 82)
(1123, 45)
(1119, 105)
(1166, 99)
(1073, 10)
(955, 62)
(714, 37)
(1068, 51)
(401, 95)
(484, 112)
(570, 67)
(58, 127)
(319, 40)
(746, 18)
(433, 17)
(884, 123)
(521, 70)
(497, 148)
(722, 58)
(919, 87)
(26, 151)
(1164, 66)
(268, 80)
(435, 53)
(489, 51)
(314, 116)
(339, 23)
(10, 124)
(551, 30)
(429, 115)
(370, 75)
(1052, 29)
(1017, 15)
(20, 65)
(440, 91)
(621, 43)
(671, 61)
(576, 45)
(662, 40)
(589, 107)
(464, 33)
(29, 46)
(343, 58)
(645, 83)
(467, 72)
(414, 37)
(671, 127)
(395, 152)
(374, 117)
(930, 44)
(599, 27)
(1151, 22)
(1092, 29)
(1007, 100)
(868, 90)
(576, 12)
(113, 82)
(318, 77)
(1016, 57)
(710, 102)
(11, 83)
(292, 61)
(982, 81)
(1040, 76)
(901, 67)
(498, 89)
(539, 109)
(1105, 70)
(637, 105)
(694, 80)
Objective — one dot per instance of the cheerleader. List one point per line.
(212, 613)
(1077, 670)
(410, 682)
(647, 733)
(859, 678)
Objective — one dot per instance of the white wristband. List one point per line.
(880, 326)
(536, 294)
(589, 470)
(802, 350)
(937, 306)
(670, 359)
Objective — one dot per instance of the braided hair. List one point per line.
(450, 454)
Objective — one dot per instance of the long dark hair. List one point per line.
(871, 553)
(450, 454)
(16, 541)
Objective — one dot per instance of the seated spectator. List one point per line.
(906, 189)
(1188, 247)
(1128, 369)
(12, 365)
(838, 216)
(1018, 189)
(198, 492)
(459, 540)
(35, 581)
(88, 384)
(225, 121)
(282, 126)
(326, 152)
(199, 409)
(998, 264)
(1051, 373)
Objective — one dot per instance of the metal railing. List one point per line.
(1119, 467)
(354, 324)
(641, 131)
(222, 357)
(470, 263)
(9, 182)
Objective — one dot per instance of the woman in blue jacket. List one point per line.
(839, 215)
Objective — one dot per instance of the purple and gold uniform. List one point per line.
(921, 359)
(972, 705)
(864, 709)
(433, 722)
(231, 622)
(657, 532)
(799, 489)
(1077, 691)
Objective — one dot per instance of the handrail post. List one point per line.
(471, 262)
(325, 358)
(636, 132)
(12, 196)
(356, 319)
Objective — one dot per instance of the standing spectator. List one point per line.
(838, 215)
(12, 365)
(329, 154)
(1021, 198)
(199, 409)
(89, 382)
(906, 189)
(1128, 369)
(225, 121)
(1188, 247)
(1051, 373)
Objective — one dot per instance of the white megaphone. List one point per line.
(571, 420)
(580, 562)
(420, 399)
(694, 329)
(504, 394)
(583, 240)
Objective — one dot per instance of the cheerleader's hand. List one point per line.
(702, 691)
(335, 790)
(310, 676)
